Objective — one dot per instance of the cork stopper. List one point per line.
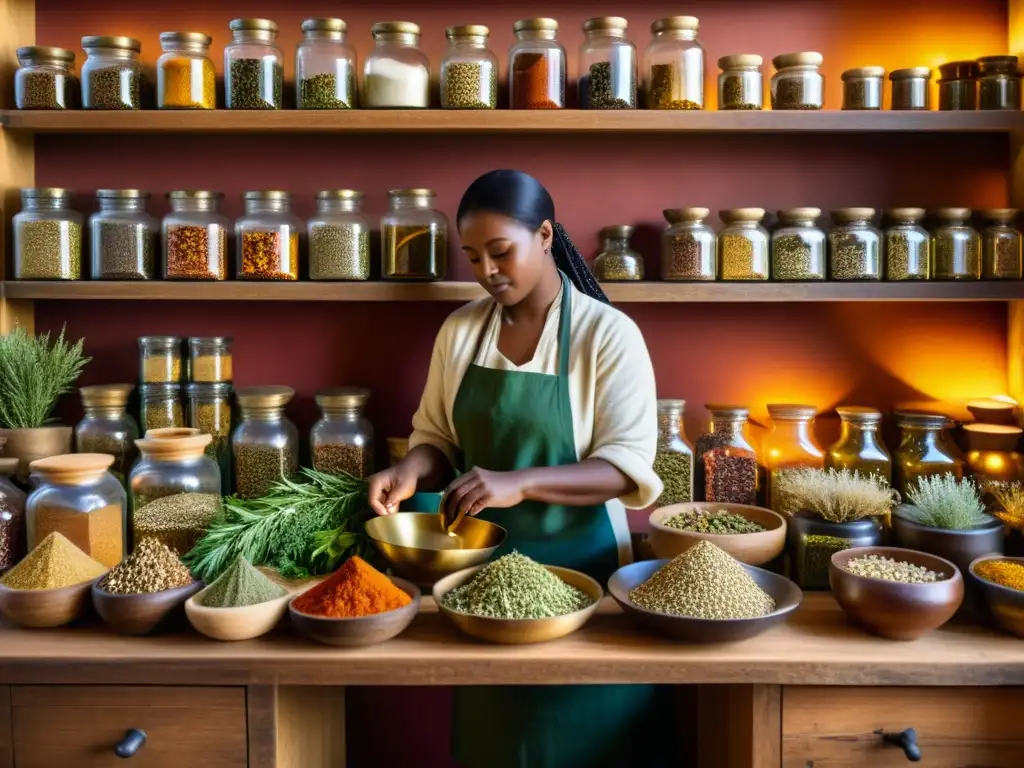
(173, 444)
(677, 215)
(791, 412)
(72, 468)
(858, 414)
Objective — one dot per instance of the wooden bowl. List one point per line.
(520, 631)
(786, 594)
(141, 614)
(893, 609)
(46, 607)
(1006, 605)
(750, 548)
(358, 630)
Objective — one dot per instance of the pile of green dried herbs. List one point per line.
(712, 521)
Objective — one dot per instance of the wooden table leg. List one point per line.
(296, 726)
(739, 726)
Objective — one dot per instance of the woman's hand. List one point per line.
(389, 488)
(480, 489)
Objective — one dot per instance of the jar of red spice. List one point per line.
(268, 237)
(674, 65)
(536, 66)
(195, 236)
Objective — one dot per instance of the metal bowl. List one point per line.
(520, 631)
(416, 547)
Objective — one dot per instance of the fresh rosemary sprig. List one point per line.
(34, 373)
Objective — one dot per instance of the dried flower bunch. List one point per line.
(942, 501)
(1010, 499)
(837, 496)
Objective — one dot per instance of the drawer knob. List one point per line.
(130, 744)
(905, 740)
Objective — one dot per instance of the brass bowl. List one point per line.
(416, 547)
(519, 631)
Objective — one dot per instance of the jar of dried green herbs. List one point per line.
(265, 445)
(124, 236)
(911, 88)
(253, 66)
(617, 262)
(469, 70)
(47, 236)
(160, 407)
(863, 88)
(798, 246)
(339, 237)
(325, 66)
(689, 247)
(740, 85)
(907, 245)
(855, 245)
(958, 85)
(1000, 245)
(798, 82)
(956, 246)
(343, 439)
(673, 460)
(107, 427)
(45, 78)
(999, 83)
(112, 76)
(209, 411)
(743, 245)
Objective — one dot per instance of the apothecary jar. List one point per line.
(798, 82)
(743, 245)
(47, 236)
(253, 66)
(923, 451)
(160, 407)
(396, 73)
(617, 262)
(185, 77)
(1000, 245)
(799, 248)
(268, 237)
(469, 70)
(956, 246)
(673, 460)
(124, 236)
(536, 66)
(265, 445)
(414, 237)
(860, 448)
(855, 245)
(325, 66)
(789, 445)
(45, 78)
(674, 65)
(342, 441)
(725, 467)
(689, 246)
(107, 427)
(339, 237)
(195, 236)
(112, 75)
(607, 65)
(907, 245)
(740, 84)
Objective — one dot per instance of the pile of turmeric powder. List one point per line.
(355, 589)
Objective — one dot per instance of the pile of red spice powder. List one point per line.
(355, 589)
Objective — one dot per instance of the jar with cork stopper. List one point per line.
(725, 466)
(1000, 245)
(956, 246)
(907, 245)
(740, 84)
(689, 247)
(863, 88)
(743, 245)
(673, 460)
(617, 262)
(859, 447)
(911, 88)
(798, 246)
(342, 441)
(798, 82)
(855, 245)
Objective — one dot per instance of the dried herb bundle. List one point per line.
(836, 496)
(942, 501)
(1010, 499)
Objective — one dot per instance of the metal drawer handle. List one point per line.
(905, 740)
(130, 744)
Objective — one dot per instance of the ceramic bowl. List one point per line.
(786, 594)
(358, 630)
(143, 613)
(45, 607)
(520, 631)
(893, 609)
(1006, 605)
(750, 548)
(959, 547)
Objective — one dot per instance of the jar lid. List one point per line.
(859, 414)
(210, 341)
(112, 395)
(45, 193)
(676, 215)
(958, 70)
(185, 38)
(342, 397)
(172, 433)
(270, 397)
(420, 192)
(926, 420)
(911, 72)
(267, 194)
(160, 341)
(539, 23)
(104, 41)
(798, 59)
(467, 30)
(72, 468)
(44, 53)
(324, 25)
(991, 437)
(800, 214)
(121, 194)
(212, 390)
(9, 466)
(159, 390)
(720, 411)
(993, 65)
(953, 214)
(740, 61)
(194, 194)
(789, 411)
(907, 214)
(1003, 215)
(859, 72)
(686, 23)
(730, 215)
(617, 231)
(174, 443)
(339, 194)
(671, 404)
(612, 24)
(850, 215)
(258, 25)
(395, 28)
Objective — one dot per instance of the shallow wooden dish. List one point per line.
(140, 614)
(1006, 605)
(750, 548)
(519, 631)
(787, 597)
(358, 630)
(46, 607)
(893, 609)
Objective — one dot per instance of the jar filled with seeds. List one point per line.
(798, 246)
(743, 245)
(107, 427)
(253, 66)
(911, 88)
(469, 70)
(907, 245)
(1001, 245)
(958, 85)
(414, 237)
(617, 262)
(46, 78)
(195, 236)
(740, 85)
(923, 451)
(863, 88)
(725, 467)
(209, 411)
(536, 66)
(798, 82)
(268, 237)
(266, 444)
(956, 246)
(185, 78)
(342, 440)
(855, 245)
(607, 65)
(396, 74)
(124, 236)
(339, 237)
(47, 236)
(160, 360)
(689, 247)
(788, 446)
(325, 66)
(210, 359)
(860, 448)
(673, 461)
(999, 83)
(12, 516)
(674, 65)
(160, 407)
(112, 75)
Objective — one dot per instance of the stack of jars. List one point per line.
(161, 369)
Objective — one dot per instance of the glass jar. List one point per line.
(339, 237)
(863, 88)
(325, 66)
(266, 444)
(999, 83)
(923, 451)
(268, 237)
(124, 236)
(958, 85)
(607, 65)
(673, 461)
(12, 517)
(798, 82)
(855, 245)
(956, 246)
(160, 359)
(798, 246)
(1000, 245)
(743, 245)
(107, 427)
(992, 455)
(617, 262)
(195, 236)
(78, 498)
(210, 359)
(911, 88)
(209, 411)
(45, 78)
(536, 66)
(859, 448)
(907, 245)
(469, 70)
(674, 65)
(112, 75)
(414, 237)
(396, 74)
(740, 85)
(160, 407)
(788, 446)
(342, 440)
(47, 236)
(185, 78)
(253, 66)
(689, 248)
(725, 470)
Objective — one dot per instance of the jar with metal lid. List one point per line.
(414, 237)
(855, 245)
(673, 459)
(726, 463)
(47, 236)
(339, 237)
(112, 75)
(923, 451)
(863, 88)
(799, 250)
(536, 66)
(160, 359)
(12, 516)
(266, 443)
(999, 83)
(991, 454)
(689, 247)
(740, 85)
(107, 427)
(195, 236)
(674, 65)
(160, 407)
(607, 65)
(958, 85)
(342, 441)
(325, 66)
(185, 77)
(956, 246)
(396, 74)
(210, 359)
(617, 262)
(45, 78)
(743, 245)
(859, 448)
(911, 88)
(787, 447)
(124, 236)
(1000, 245)
(907, 245)
(209, 411)
(253, 66)
(268, 237)
(798, 82)
(469, 70)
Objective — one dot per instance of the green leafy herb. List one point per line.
(942, 501)
(33, 374)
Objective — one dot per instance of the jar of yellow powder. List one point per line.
(185, 77)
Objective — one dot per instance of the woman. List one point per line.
(542, 396)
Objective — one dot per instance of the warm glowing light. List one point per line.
(994, 462)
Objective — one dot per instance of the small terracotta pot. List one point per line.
(27, 445)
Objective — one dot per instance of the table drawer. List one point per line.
(80, 725)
